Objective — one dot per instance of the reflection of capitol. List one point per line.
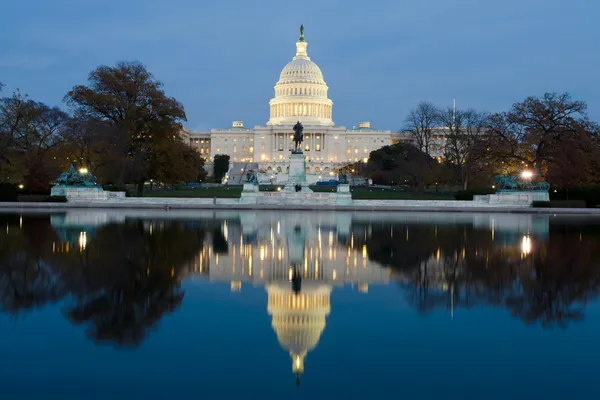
(299, 263)
(300, 257)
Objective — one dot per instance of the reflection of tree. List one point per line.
(562, 276)
(460, 266)
(26, 279)
(120, 284)
(131, 279)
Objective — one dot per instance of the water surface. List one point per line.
(298, 305)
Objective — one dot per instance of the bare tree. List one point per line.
(421, 123)
(465, 131)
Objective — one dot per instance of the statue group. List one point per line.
(507, 183)
(72, 177)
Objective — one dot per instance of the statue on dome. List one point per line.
(301, 33)
(298, 138)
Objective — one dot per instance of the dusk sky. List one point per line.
(222, 58)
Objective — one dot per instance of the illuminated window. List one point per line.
(235, 148)
(281, 156)
(262, 157)
(356, 150)
(251, 149)
(196, 140)
(235, 140)
(318, 147)
(218, 149)
(349, 151)
(366, 151)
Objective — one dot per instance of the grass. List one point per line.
(358, 193)
(210, 192)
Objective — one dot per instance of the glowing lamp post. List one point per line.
(527, 175)
(83, 171)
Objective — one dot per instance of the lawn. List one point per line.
(358, 193)
(210, 192)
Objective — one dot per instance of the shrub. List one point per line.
(56, 199)
(559, 204)
(589, 194)
(468, 194)
(8, 192)
(541, 204)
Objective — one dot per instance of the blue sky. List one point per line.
(221, 58)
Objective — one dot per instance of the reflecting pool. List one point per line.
(270, 305)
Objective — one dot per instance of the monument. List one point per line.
(250, 190)
(297, 169)
(516, 190)
(80, 185)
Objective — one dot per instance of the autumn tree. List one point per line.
(464, 132)
(534, 131)
(129, 98)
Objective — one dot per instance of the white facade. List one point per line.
(301, 94)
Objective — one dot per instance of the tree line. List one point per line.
(121, 126)
(550, 136)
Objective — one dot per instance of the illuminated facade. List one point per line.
(301, 94)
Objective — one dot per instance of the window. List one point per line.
(356, 150)
(251, 149)
(218, 149)
(235, 148)
(318, 146)
(281, 156)
(243, 149)
(196, 141)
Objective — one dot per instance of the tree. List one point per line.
(464, 139)
(128, 97)
(421, 123)
(29, 132)
(401, 163)
(221, 166)
(533, 132)
(175, 162)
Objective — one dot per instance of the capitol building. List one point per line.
(301, 94)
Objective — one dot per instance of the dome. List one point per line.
(302, 70)
(301, 92)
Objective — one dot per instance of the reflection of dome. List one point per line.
(301, 92)
(298, 319)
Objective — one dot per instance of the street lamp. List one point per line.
(526, 174)
(83, 171)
